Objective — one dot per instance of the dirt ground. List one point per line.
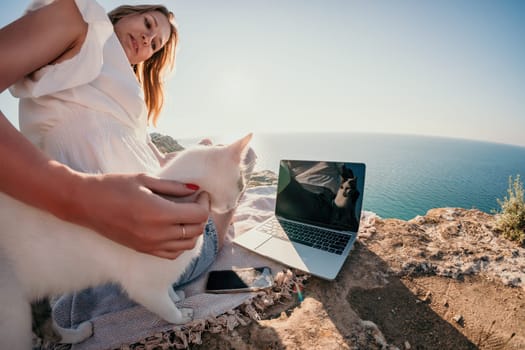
(420, 312)
(440, 313)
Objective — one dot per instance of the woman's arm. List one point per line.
(39, 38)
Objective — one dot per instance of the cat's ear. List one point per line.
(238, 148)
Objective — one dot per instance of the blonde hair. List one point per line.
(151, 71)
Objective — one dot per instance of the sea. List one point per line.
(406, 175)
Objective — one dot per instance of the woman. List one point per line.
(87, 100)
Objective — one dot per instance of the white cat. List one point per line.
(41, 255)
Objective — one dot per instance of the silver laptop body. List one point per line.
(317, 212)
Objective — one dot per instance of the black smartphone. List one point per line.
(239, 280)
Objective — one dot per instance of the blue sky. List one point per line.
(446, 68)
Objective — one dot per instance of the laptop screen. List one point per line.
(321, 193)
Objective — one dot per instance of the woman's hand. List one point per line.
(127, 209)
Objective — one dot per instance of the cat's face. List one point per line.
(217, 170)
(227, 177)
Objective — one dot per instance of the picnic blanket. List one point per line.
(135, 324)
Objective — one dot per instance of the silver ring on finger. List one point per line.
(183, 231)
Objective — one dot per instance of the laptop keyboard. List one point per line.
(314, 237)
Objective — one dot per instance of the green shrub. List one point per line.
(511, 218)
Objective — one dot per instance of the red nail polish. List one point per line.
(192, 187)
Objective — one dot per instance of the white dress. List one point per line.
(88, 112)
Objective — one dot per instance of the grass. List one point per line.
(511, 218)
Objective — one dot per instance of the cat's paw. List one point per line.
(180, 316)
(187, 315)
(77, 335)
(85, 330)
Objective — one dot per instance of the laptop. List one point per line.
(317, 213)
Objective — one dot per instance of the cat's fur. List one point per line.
(41, 255)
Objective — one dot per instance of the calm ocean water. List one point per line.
(408, 175)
